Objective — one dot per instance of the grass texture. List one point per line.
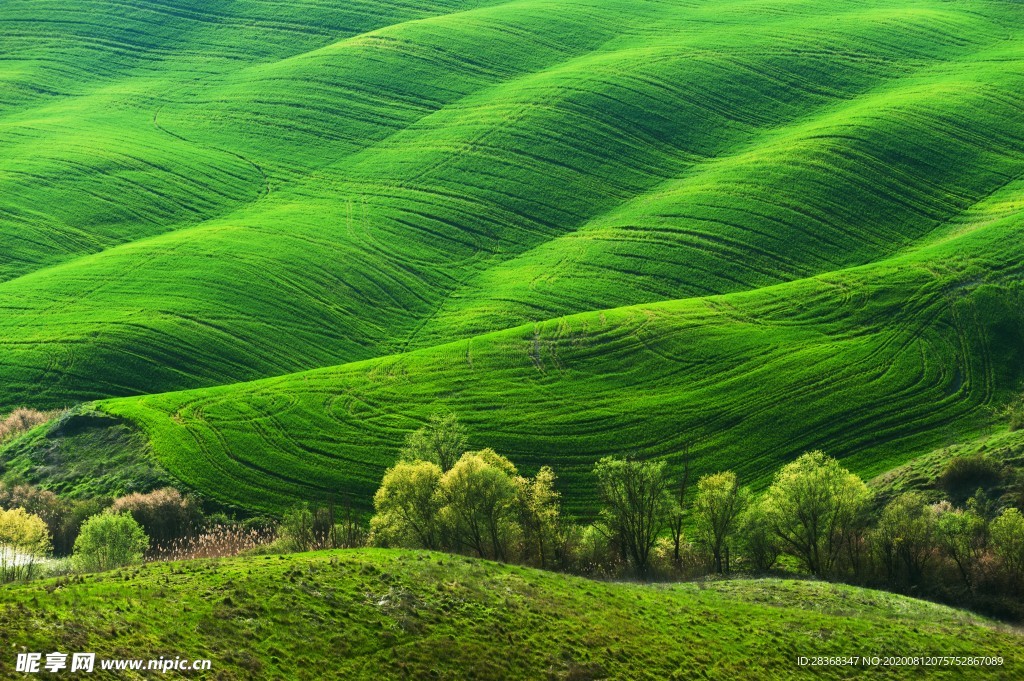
(393, 614)
(277, 235)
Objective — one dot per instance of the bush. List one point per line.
(964, 475)
(109, 540)
(22, 420)
(63, 517)
(24, 539)
(164, 514)
(759, 544)
(593, 552)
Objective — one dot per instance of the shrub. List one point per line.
(164, 514)
(22, 420)
(63, 517)
(759, 543)
(109, 540)
(24, 539)
(593, 553)
(964, 475)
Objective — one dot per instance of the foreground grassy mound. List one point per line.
(391, 614)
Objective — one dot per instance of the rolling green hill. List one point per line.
(392, 614)
(275, 236)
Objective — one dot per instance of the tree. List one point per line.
(109, 540)
(407, 506)
(759, 542)
(297, 528)
(541, 516)
(677, 517)
(636, 504)
(812, 505)
(442, 441)
(905, 541)
(1007, 533)
(479, 502)
(23, 539)
(962, 535)
(717, 504)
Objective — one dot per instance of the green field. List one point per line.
(275, 236)
(402, 614)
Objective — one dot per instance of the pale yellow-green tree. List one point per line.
(24, 539)
(540, 509)
(717, 505)
(407, 506)
(109, 540)
(812, 507)
(479, 498)
(1007, 532)
(905, 539)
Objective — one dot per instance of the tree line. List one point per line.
(816, 518)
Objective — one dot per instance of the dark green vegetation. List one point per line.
(385, 614)
(83, 454)
(773, 226)
(993, 463)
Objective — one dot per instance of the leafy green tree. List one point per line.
(24, 538)
(479, 496)
(636, 505)
(408, 505)
(905, 539)
(812, 506)
(1007, 533)
(109, 540)
(963, 537)
(716, 506)
(759, 542)
(541, 516)
(442, 441)
(679, 491)
(297, 530)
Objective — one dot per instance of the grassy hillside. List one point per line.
(750, 228)
(875, 364)
(380, 614)
(382, 179)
